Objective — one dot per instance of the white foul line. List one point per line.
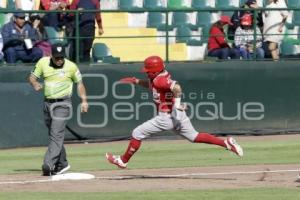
(195, 174)
(25, 182)
(155, 176)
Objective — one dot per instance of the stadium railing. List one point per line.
(290, 39)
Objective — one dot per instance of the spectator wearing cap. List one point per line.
(19, 38)
(238, 14)
(59, 75)
(86, 26)
(217, 45)
(244, 39)
(42, 43)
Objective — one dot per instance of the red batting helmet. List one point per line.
(153, 64)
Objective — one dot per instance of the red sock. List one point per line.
(133, 146)
(209, 139)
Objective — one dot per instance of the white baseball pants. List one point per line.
(165, 122)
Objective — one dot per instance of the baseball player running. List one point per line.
(171, 114)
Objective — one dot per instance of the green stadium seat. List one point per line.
(199, 4)
(180, 19)
(289, 25)
(184, 34)
(288, 49)
(203, 18)
(293, 3)
(176, 4)
(223, 4)
(11, 5)
(205, 33)
(296, 17)
(153, 4)
(128, 5)
(156, 19)
(101, 53)
(227, 13)
(295, 20)
(53, 36)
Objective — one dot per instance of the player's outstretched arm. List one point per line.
(135, 81)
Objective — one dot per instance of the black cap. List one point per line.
(19, 14)
(58, 50)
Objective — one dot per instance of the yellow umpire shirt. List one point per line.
(58, 82)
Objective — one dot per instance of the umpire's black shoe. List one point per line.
(47, 170)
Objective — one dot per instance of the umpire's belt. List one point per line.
(54, 100)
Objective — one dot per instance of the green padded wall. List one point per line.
(231, 97)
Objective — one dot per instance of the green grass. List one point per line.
(155, 154)
(158, 154)
(240, 194)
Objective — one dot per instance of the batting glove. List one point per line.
(130, 80)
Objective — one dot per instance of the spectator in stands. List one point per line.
(42, 43)
(217, 45)
(244, 38)
(19, 38)
(56, 20)
(238, 14)
(274, 26)
(86, 26)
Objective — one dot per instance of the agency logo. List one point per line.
(120, 106)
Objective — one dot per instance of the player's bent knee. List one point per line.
(137, 134)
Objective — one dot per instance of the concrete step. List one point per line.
(128, 41)
(135, 49)
(125, 31)
(114, 20)
(140, 52)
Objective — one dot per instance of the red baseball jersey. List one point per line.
(161, 87)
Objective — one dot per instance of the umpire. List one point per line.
(59, 74)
